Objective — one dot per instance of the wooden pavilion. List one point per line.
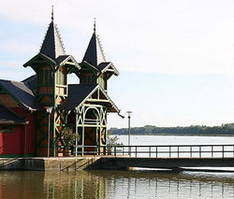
(43, 112)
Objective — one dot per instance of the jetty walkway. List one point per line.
(174, 157)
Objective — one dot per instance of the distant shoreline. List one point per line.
(225, 130)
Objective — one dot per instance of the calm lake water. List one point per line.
(170, 140)
(123, 184)
(116, 185)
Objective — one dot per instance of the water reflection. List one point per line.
(116, 185)
(51, 185)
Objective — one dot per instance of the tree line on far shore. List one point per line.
(223, 130)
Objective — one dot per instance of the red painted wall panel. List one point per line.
(12, 142)
(29, 131)
(22, 138)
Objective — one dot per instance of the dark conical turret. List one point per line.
(52, 45)
(94, 54)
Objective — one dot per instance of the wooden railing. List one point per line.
(162, 151)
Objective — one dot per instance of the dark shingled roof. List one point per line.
(67, 59)
(52, 45)
(8, 117)
(31, 82)
(94, 54)
(103, 65)
(106, 65)
(76, 94)
(21, 92)
(61, 58)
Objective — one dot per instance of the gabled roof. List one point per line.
(67, 60)
(62, 58)
(101, 68)
(108, 66)
(114, 108)
(40, 58)
(78, 94)
(20, 92)
(94, 54)
(8, 117)
(52, 45)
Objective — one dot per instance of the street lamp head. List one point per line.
(129, 112)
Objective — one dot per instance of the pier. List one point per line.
(174, 157)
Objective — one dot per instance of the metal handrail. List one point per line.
(161, 151)
(181, 151)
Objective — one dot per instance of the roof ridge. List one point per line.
(32, 76)
(5, 80)
(60, 38)
(101, 46)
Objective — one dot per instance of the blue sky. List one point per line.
(176, 58)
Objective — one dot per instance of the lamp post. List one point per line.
(48, 110)
(129, 128)
(76, 149)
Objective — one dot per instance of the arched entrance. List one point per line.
(91, 123)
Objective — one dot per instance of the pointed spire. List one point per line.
(94, 26)
(52, 13)
(52, 45)
(94, 53)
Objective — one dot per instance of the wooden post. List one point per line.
(115, 150)
(199, 151)
(83, 132)
(178, 151)
(212, 151)
(191, 151)
(76, 126)
(156, 152)
(222, 151)
(233, 150)
(169, 151)
(150, 151)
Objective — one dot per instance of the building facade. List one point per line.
(44, 115)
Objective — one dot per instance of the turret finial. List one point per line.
(52, 13)
(94, 26)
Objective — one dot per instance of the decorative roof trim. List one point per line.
(116, 72)
(65, 61)
(31, 62)
(104, 93)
